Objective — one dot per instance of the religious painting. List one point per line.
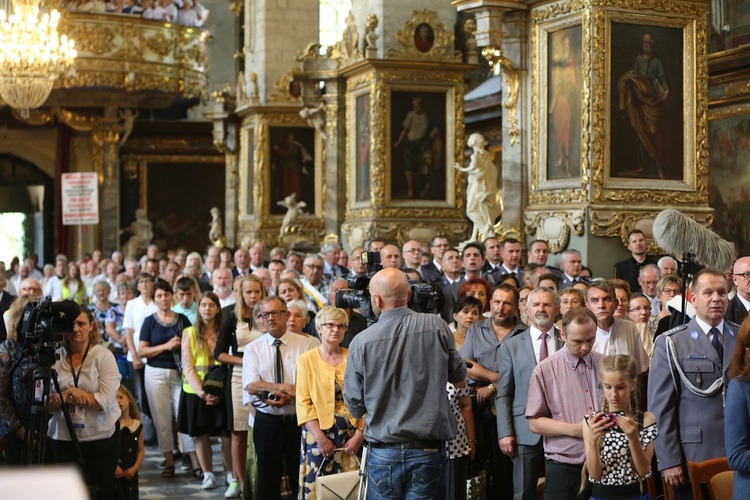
(729, 177)
(292, 166)
(647, 105)
(564, 91)
(424, 37)
(362, 148)
(179, 206)
(418, 145)
(729, 22)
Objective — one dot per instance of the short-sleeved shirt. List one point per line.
(136, 312)
(155, 332)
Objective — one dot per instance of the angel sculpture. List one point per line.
(482, 204)
(294, 209)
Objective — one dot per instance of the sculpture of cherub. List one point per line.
(294, 209)
(216, 231)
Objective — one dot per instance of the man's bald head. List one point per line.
(389, 289)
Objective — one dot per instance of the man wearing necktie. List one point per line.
(740, 304)
(685, 388)
(519, 354)
(269, 368)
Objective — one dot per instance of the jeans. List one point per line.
(399, 473)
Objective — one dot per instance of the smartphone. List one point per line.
(612, 416)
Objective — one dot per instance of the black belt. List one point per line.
(283, 418)
(424, 444)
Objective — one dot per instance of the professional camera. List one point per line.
(265, 396)
(42, 325)
(357, 296)
(425, 297)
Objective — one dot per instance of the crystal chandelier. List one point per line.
(32, 55)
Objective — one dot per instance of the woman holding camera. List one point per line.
(89, 380)
(326, 423)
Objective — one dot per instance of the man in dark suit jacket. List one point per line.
(689, 410)
(438, 246)
(519, 354)
(6, 300)
(628, 269)
(740, 304)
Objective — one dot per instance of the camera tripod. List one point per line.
(44, 379)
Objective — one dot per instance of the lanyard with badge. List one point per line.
(77, 413)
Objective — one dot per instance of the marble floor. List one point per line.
(183, 484)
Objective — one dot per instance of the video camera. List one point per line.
(425, 296)
(42, 325)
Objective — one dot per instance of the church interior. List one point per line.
(299, 121)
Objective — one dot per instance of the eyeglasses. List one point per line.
(671, 291)
(640, 309)
(310, 266)
(745, 275)
(271, 314)
(334, 326)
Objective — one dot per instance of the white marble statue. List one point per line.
(294, 209)
(141, 235)
(128, 120)
(216, 231)
(482, 204)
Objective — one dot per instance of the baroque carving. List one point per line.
(555, 226)
(280, 92)
(438, 42)
(511, 82)
(347, 49)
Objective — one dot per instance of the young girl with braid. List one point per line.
(619, 440)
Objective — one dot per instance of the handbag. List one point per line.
(341, 486)
(215, 380)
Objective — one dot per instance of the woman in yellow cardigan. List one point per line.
(326, 422)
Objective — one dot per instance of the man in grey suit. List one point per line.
(685, 388)
(519, 354)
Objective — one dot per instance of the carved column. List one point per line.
(105, 136)
(334, 204)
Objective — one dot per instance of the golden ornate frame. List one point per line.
(259, 125)
(442, 47)
(692, 188)
(596, 17)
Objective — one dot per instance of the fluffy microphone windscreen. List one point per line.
(678, 234)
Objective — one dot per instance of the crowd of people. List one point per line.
(521, 371)
(185, 12)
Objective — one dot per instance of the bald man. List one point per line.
(740, 304)
(398, 370)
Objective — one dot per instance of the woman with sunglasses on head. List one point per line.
(89, 379)
(326, 423)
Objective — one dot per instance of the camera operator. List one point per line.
(89, 380)
(15, 386)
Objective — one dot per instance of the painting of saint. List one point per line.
(363, 148)
(250, 170)
(729, 177)
(292, 165)
(647, 119)
(424, 37)
(564, 74)
(418, 166)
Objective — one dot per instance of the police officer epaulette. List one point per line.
(674, 330)
(731, 323)
(733, 327)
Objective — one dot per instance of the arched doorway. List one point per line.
(27, 193)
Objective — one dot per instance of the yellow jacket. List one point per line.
(316, 389)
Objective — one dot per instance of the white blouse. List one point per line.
(99, 376)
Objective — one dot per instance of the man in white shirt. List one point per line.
(739, 306)
(137, 310)
(53, 288)
(276, 434)
(614, 335)
(222, 283)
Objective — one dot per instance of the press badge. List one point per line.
(77, 415)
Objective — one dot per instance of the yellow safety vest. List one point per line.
(201, 361)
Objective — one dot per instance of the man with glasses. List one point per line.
(412, 253)
(315, 283)
(648, 278)
(438, 246)
(740, 304)
(269, 375)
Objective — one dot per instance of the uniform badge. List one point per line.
(694, 335)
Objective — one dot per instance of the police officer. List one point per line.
(686, 385)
